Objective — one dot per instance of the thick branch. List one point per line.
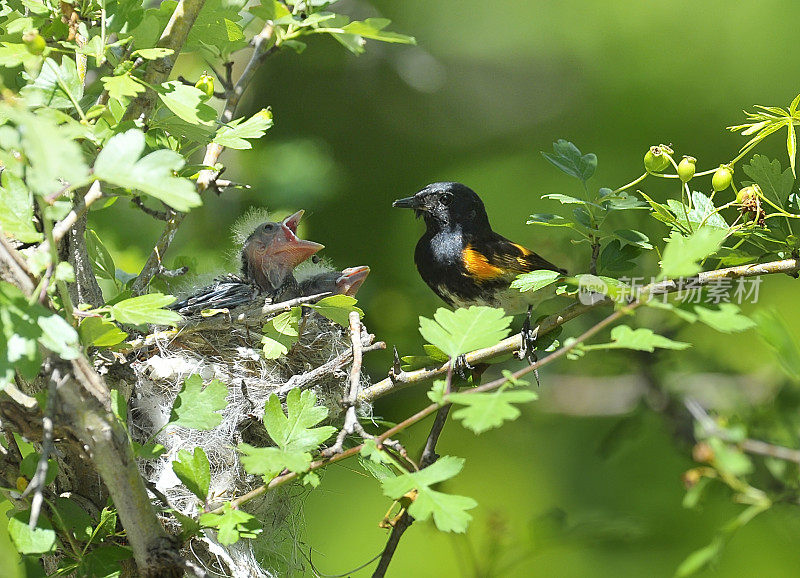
(407, 378)
(84, 407)
(84, 404)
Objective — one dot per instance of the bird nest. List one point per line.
(229, 349)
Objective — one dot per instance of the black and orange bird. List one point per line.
(345, 282)
(269, 256)
(461, 258)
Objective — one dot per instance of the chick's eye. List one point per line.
(446, 199)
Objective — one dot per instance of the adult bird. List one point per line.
(268, 257)
(463, 259)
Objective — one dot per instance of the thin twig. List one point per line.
(351, 423)
(63, 226)
(751, 446)
(329, 368)
(160, 215)
(38, 481)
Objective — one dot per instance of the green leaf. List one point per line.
(567, 158)
(53, 156)
(730, 459)
(187, 102)
(373, 28)
(337, 308)
(104, 561)
(774, 331)
(535, 280)
(231, 525)
(196, 407)
(633, 237)
(549, 220)
(775, 183)
(216, 30)
(16, 209)
(77, 521)
(292, 432)
(194, 471)
(102, 261)
(464, 330)
(618, 257)
(40, 540)
(145, 309)
(152, 53)
(120, 87)
(566, 199)
(269, 10)
(682, 254)
(699, 559)
(727, 319)
(623, 337)
(55, 85)
(59, 336)
(119, 164)
(449, 512)
(236, 133)
(281, 333)
(485, 411)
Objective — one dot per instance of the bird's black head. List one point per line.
(446, 205)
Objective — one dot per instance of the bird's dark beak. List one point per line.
(351, 280)
(414, 202)
(409, 203)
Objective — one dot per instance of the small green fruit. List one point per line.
(722, 178)
(34, 42)
(656, 160)
(206, 84)
(686, 169)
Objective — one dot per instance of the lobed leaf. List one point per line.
(464, 330)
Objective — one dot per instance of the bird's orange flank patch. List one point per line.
(478, 265)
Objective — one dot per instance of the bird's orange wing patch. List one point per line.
(477, 265)
(523, 250)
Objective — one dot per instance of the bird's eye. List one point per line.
(446, 199)
(269, 226)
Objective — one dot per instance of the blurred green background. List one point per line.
(489, 86)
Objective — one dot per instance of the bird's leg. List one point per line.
(528, 348)
(462, 368)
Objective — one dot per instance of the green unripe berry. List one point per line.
(722, 178)
(34, 42)
(748, 195)
(206, 84)
(656, 160)
(686, 169)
